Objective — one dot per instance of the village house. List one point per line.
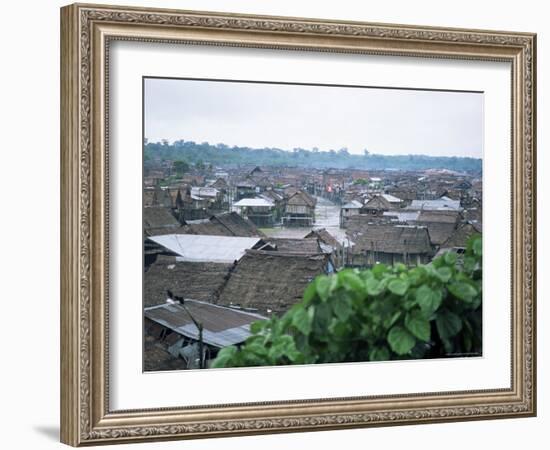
(212, 196)
(329, 245)
(193, 179)
(224, 224)
(227, 192)
(348, 210)
(459, 238)
(376, 206)
(440, 204)
(406, 193)
(277, 199)
(473, 214)
(192, 333)
(299, 210)
(244, 189)
(291, 245)
(270, 282)
(375, 183)
(198, 280)
(206, 248)
(157, 197)
(441, 224)
(159, 220)
(258, 210)
(402, 216)
(390, 244)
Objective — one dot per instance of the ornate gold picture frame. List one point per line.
(87, 32)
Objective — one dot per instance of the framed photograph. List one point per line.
(276, 224)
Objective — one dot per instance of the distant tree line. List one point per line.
(222, 154)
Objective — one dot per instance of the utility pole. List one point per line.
(201, 343)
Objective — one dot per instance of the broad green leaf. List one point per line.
(450, 258)
(394, 318)
(342, 307)
(379, 354)
(448, 346)
(325, 286)
(321, 319)
(448, 324)
(418, 325)
(398, 287)
(280, 346)
(379, 270)
(400, 267)
(462, 291)
(225, 355)
(257, 348)
(302, 321)
(350, 280)
(339, 328)
(416, 275)
(444, 274)
(478, 247)
(428, 299)
(373, 287)
(401, 341)
(470, 263)
(257, 327)
(438, 262)
(310, 292)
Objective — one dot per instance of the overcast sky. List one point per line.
(386, 121)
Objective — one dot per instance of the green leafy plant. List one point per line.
(383, 313)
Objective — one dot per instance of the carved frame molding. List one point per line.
(86, 33)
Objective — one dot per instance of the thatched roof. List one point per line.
(226, 224)
(438, 216)
(358, 222)
(148, 197)
(236, 224)
(271, 280)
(325, 237)
(441, 224)
(245, 184)
(439, 231)
(271, 195)
(158, 220)
(220, 183)
(473, 214)
(290, 191)
(196, 280)
(155, 353)
(287, 245)
(161, 198)
(301, 198)
(205, 227)
(391, 239)
(404, 193)
(460, 236)
(378, 202)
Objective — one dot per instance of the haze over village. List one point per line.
(234, 234)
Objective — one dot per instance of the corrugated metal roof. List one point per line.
(354, 204)
(204, 192)
(221, 326)
(441, 204)
(206, 248)
(390, 198)
(403, 216)
(253, 202)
